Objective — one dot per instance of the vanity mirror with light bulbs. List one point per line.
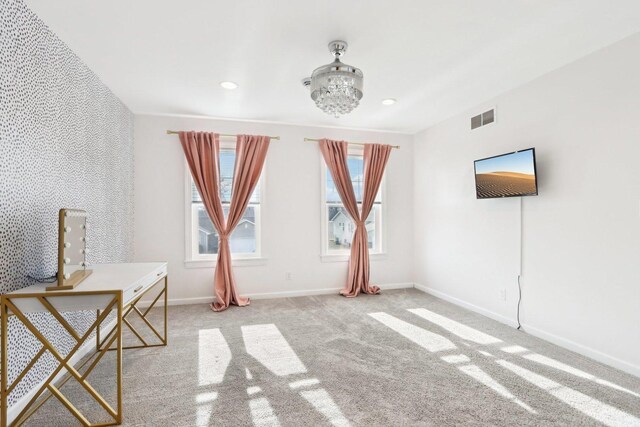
(72, 249)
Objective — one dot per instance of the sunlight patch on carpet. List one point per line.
(589, 406)
(262, 413)
(304, 383)
(425, 339)
(214, 356)
(463, 331)
(324, 404)
(267, 345)
(544, 360)
(481, 376)
(205, 407)
(456, 358)
(513, 349)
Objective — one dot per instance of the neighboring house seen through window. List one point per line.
(244, 241)
(337, 227)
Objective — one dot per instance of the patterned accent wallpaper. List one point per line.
(65, 141)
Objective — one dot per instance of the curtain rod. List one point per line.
(350, 143)
(175, 132)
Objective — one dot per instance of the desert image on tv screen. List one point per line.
(505, 176)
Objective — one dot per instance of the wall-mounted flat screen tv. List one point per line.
(507, 175)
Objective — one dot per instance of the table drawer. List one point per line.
(143, 285)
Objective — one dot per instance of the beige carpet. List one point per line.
(400, 358)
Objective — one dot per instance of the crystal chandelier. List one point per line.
(336, 88)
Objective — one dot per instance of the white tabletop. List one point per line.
(105, 277)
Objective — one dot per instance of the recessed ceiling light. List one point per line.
(229, 85)
(388, 101)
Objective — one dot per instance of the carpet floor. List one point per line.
(402, 358)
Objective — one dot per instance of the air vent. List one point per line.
(476, 121)
(483, 119)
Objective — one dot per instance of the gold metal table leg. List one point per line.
(5, 365)
(133, 308)
(103, 344)
(48, 389)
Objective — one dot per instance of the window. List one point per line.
(202, 237)
(337, 226)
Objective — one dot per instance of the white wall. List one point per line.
(581, 235)
(290, 217)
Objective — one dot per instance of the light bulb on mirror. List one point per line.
(67, 244)
(67, 275)
(67, 229)
(67, 260)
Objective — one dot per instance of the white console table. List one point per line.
(112, 288)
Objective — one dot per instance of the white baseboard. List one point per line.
(488, 313)
(325, 291)
(292, 294)
(401, 285)
(584, 350)
(14, 410)
(272, 295)
(539, 333)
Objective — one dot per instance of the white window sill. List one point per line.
(237, 262)
(345, 257)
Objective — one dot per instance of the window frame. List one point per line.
(337, 255)
(193, 259)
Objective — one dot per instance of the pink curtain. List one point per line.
(375, 160)
(202, 150)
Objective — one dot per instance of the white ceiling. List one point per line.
(438, 58)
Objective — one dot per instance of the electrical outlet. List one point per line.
(288, 275)
(503, 294)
